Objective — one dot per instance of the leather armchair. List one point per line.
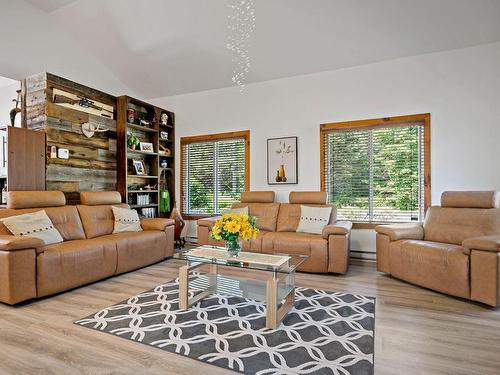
(456, 250)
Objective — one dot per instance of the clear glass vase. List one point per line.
(234, 247)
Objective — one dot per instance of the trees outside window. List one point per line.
(376, 171)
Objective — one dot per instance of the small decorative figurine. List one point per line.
(164, 118)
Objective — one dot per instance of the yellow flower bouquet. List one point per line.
(234, 228)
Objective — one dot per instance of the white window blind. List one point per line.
(376, 174)
(213, 175)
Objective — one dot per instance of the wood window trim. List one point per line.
(243, 134)
(425, 118)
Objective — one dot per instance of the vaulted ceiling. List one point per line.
(158, 48)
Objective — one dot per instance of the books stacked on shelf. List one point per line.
(143, 199)
(148, 212)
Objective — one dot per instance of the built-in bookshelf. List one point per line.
(145, 156)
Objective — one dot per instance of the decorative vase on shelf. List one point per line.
(234, 247)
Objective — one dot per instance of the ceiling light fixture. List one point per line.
(241, 24)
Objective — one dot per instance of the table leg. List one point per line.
(184, 301)
(275, 315)
(183, 287)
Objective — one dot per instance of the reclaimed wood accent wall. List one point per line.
(92, 161)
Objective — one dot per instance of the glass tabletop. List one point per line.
(283, 263)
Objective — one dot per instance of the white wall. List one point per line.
(460, 88)
(8, 89)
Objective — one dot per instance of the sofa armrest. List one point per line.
(406, 231)
(12, 243)
(339, 228)
(156, 223)
(208, 221)
(485, 243)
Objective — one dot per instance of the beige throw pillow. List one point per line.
(126, 220)
(36, 224)
(313, 219)
(237, 211)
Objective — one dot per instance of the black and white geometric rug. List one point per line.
(325, 332)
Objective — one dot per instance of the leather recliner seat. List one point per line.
(90, 251)
(278, 222)
(456, 250)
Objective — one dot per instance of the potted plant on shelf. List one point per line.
(233, 229)
(132, 141)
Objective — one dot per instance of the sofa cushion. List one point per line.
(307, 197)
(255, 245)
(126, 220)
(98, 220)
(266, 214)
(35, 199)
(434, 265)
(471, 199)
(138, 249)
(454, 225)
(70, 264)
(313, 219)
(312, 245)
(66, 220)
(36, 224)
(289, 216)
(236, 211)
(257, 197)
(99, 198)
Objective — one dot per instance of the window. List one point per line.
(377, 171)
(215, 170)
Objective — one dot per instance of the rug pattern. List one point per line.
(324, 333)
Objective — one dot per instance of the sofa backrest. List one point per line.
(96, 212)
(65, 218)
(261, 205)
(289, 213)
(462, 215)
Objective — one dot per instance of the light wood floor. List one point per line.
(416, 332)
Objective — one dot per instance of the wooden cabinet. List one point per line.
(145, 156)
(22, 159)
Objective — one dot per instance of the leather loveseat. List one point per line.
(327, 252)
(90, 252)
(455, 251)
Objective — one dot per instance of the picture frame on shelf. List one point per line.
(146, 147)
(139, 167)
(282, 161)
(164, 135)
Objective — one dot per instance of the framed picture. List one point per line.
(139, 167)
(282, 161)
(146, 147)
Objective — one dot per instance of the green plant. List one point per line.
(132, 140)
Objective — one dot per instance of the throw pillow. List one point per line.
(313, 219)
(126, 220)
(36, 224)
(237, 211)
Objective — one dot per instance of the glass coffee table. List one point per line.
(267, 278)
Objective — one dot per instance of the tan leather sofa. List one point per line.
(278, 222)
(90, 252)
(455, 251)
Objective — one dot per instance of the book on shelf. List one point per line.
(148, 212)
